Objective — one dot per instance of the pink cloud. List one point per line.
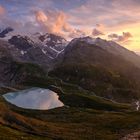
(54, 22)
(57, 22)
(77, 33)
(2, 10)
(120, 38)
(41, 17)
(96, 32)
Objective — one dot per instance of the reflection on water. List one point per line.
(34, 98)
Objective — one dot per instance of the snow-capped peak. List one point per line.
(50, 44)
(5, 31)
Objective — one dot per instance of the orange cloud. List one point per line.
(2, 10)
(41, 17)
(56, 22)
(59, 23)
(53, 22)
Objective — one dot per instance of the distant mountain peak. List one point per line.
(33, 49)
(52, 38)
(109, 46)
(5, 31)
(51, 44)
(21, 42)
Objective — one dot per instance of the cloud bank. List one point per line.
(120, 38)
(56, 22)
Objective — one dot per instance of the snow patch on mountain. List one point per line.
(51, 44)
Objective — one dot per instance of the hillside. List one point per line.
(100, 71)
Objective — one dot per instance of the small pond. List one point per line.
(34, 98)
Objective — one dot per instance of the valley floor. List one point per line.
(85, 117)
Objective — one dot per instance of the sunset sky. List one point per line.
(117, 20)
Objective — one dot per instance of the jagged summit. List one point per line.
(5, 31)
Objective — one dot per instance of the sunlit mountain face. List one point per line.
(114, 20)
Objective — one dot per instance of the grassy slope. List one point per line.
(87, 117)
(7, 133)
(104, 82)
(71, 123)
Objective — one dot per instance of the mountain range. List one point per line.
(99, 65)
(94, 78)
